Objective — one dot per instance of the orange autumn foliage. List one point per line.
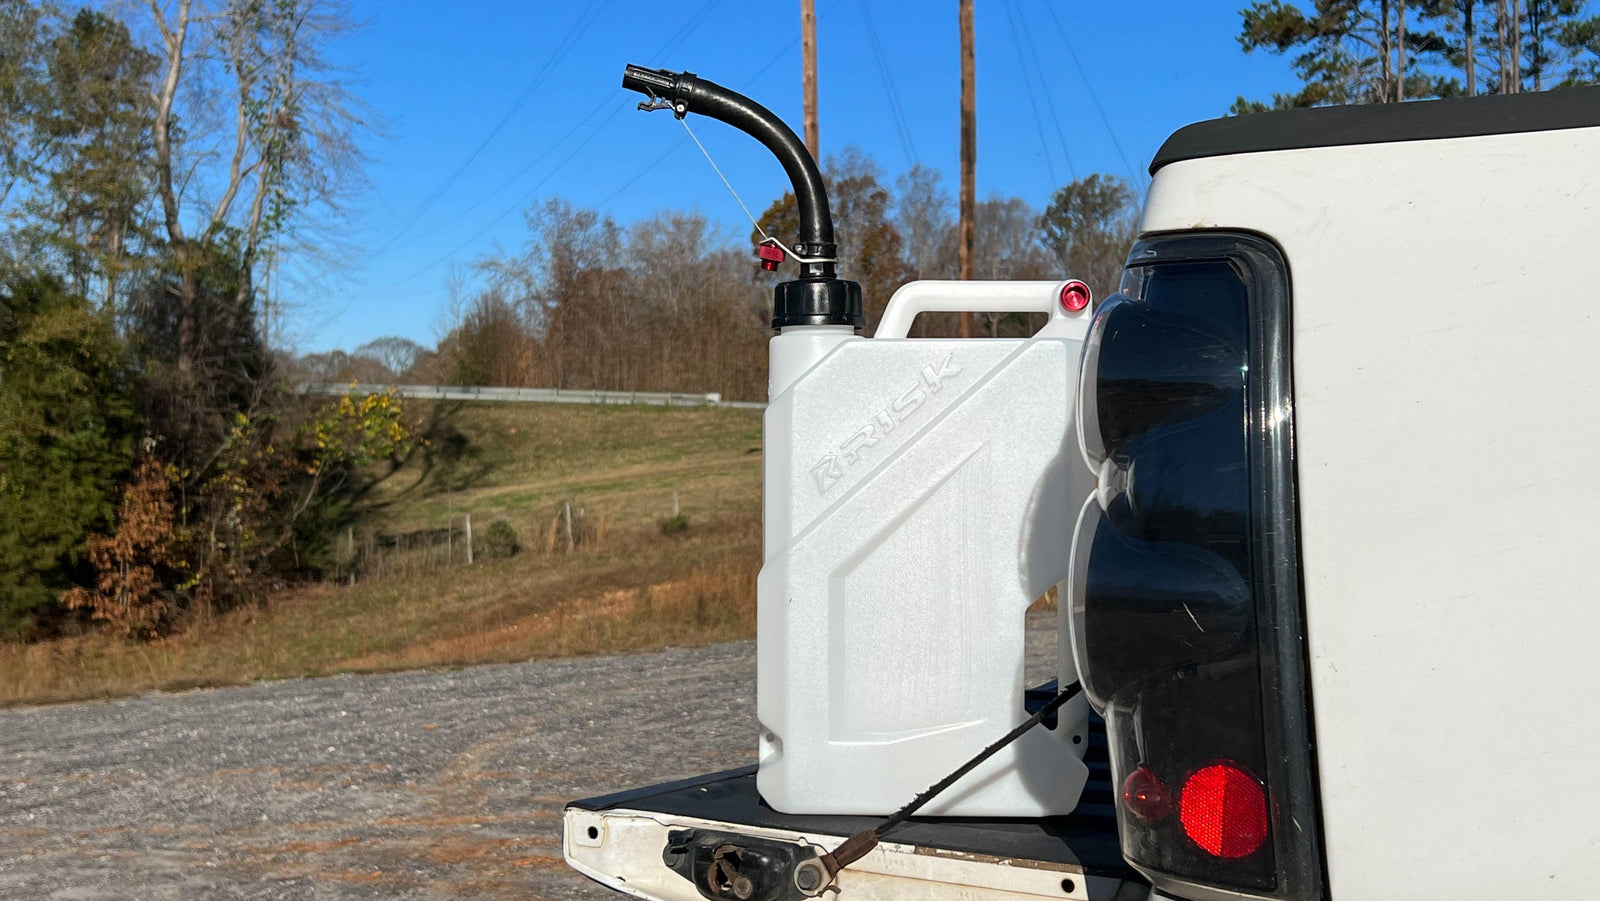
(129, 593)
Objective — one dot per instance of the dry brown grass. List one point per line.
(634, 590)
(496, 613)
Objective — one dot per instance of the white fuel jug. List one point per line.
(919, 494)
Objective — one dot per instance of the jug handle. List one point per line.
(934, 296)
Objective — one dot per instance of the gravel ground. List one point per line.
(426, 785)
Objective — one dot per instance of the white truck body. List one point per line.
(1446, 356)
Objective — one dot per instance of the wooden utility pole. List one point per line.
(808, 53)
(969, 153)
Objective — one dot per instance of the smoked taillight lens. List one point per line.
(1184, 599)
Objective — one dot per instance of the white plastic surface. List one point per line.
(1446, 320)
(918, 496)
(932, 296)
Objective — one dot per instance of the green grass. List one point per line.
(521, 460)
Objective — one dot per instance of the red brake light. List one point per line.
(1145, 796)
(1224, 810)
(1075, 296)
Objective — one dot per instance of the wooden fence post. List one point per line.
(569, 526)
(469, 537)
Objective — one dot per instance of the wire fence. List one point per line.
(532, 395)
(375, 554)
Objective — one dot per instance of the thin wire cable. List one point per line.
(585, 19)
(1044, 86)
(901, 124)
(1138, 178)
(765, 238)
(729, 185)
(1038, 121)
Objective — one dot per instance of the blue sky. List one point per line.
(489, 110)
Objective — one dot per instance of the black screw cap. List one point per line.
(817, 301)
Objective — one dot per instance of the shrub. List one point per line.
(128, 594)
(675, 525)
(500, 540)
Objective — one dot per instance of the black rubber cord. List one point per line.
(856, 846)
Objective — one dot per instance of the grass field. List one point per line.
(627, 585)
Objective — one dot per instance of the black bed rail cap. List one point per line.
(1383, 123)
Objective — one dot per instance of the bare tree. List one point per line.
(21, 77)
(1007, 246)
(283, 118)
(398, 356)
(923, 214)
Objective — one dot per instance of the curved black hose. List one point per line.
(689, 94)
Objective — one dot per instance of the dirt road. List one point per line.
(426, 785)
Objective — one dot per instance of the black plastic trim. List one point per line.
(1383, 123)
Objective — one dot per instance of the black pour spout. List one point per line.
(819, 296)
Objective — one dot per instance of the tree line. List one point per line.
(1389, 51)
(676, 303)
(157, 159)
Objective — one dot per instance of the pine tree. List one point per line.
(66, 439)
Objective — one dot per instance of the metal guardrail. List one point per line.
(531, 395)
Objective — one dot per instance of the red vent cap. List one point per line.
(771, 256)
(1224, 810)
(1075, 296)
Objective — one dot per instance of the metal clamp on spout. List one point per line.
(819, 296)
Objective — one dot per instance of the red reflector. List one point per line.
(1224, 810)
(1075, 296)
(1145, 796)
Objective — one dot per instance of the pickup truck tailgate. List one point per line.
(619, 840)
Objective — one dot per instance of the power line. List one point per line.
(499, 191)
(896, 110)
(671, 46)
(523, 200)
(642, 173)
(1044, 85)
(585, 19)
(744, 85)
(1067, 42)
(1038, 121)
(776, 58)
